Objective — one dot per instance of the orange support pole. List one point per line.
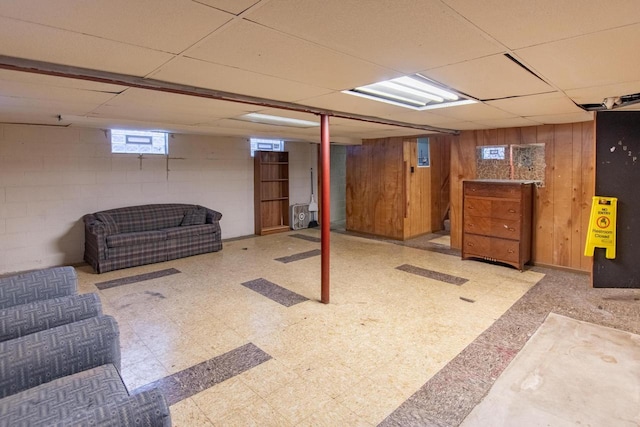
(325, 222)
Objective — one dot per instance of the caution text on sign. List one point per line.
(602, 226)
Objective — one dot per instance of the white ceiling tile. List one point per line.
(53, 93)
(595, 95)
(27, 116)
(338, 101)
(424, 118)
(584, 116)
(509, 123)
(490, 77)
(46, 106)
(472, 112)
(604, 58)
(253, 47)
(534, 105)
(153, 116)
(520, 23)
(232, 6)
(25, 40)
(168, 102)
(58, 82)
(228, 79)
(404, 35)
(169, 26)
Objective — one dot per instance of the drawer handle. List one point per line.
(511, 251)
(512, 211)
(470, 244)
(509, 228)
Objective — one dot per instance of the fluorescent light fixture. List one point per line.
(277, 120)
(427, 87)
(416, 92)
(372, 91)
(420, 94)
(380, 99)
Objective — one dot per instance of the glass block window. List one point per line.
(258, 144)
(139, 142)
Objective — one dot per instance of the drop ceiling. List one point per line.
(525, 62)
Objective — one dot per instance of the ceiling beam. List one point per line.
(58, 70)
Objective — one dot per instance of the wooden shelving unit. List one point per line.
(271, 192)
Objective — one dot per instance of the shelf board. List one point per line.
(274, 199)
(274, 180)
(274, 163)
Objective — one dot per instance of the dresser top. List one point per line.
(501, 181)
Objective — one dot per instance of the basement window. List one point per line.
(258, 144)
(416, 92)
(423, 153)
(139, 142)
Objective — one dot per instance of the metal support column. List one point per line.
(325, 222)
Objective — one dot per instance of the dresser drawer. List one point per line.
(486, 189)
(504, 228)
(491, 248)
(491, 208)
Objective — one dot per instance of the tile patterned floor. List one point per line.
(387, 350)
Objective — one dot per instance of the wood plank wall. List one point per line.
(561, 207)
(375, 188)
(440, 152)
(384, 197)
(418, 192)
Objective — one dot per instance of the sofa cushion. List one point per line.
(193, 230)
(37, 316)
(63, 397)
(132, 239)
(110, 225)
(195, 216)
(147, 408)
(148, 217)
(37, 285)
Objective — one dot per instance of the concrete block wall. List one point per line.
(51, 176)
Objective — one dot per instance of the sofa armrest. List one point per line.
(37, 285)
(146, 409)
(37, 316)
(213, 216)
(37, 358)
(95, 240)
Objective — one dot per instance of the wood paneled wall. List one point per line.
(440, 147)
(385, 198)
(375, 187)
(561, 207)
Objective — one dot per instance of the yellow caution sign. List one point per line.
(602, 226)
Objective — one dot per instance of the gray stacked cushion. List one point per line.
(47, 403)
(34, 359)
(96, 396)
(145, 409)
(37, 285)
(36, 316)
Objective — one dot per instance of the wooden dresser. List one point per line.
(497, 220)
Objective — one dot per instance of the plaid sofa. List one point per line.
(136, 235)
